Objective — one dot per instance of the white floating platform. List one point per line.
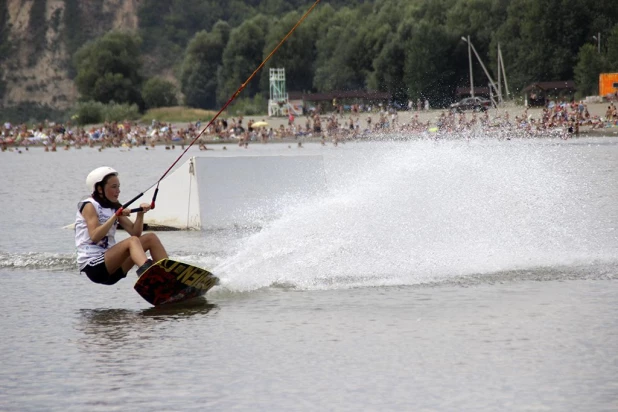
(219, 192)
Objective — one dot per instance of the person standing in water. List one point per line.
(98, 255)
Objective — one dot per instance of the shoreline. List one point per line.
(335, 127)
(228, 144)
(432, 115)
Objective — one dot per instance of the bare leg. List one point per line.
(118, 254)
(150, 242)
(128, 265)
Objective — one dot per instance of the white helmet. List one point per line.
(97, 176)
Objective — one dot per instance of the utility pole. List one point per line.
(470, 63)
(501, 69)
(499, 73)
(492, 84)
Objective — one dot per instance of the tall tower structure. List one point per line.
(278, 100)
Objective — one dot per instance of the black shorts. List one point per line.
(97, 272)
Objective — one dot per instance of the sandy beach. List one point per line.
(432, 115)
(511, 119)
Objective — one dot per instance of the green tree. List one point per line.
(114, 87)
(242, 55)
(540, 39)
(158, 92)
(89, 112)
(201, 65)
(478, 19)
(429, 70)
(374, 32)
(604, 16)
(167, 27)
(297, 55)
(587, 71)
(337, 51)
(384, 35)
(187, 17)
(151, 15)
(611, 61)
(108, 69)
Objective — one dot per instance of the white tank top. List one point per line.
(86, 248)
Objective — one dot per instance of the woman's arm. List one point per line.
(135, 228)
(96, 230)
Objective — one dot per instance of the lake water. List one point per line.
(446, 275)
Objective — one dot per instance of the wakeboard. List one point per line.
(168, 281)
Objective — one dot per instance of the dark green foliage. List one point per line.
(108, 69)
(31, 112)
(587, 70)
(241, 56)
(410, 48)
(84, 21)
(611, 62)
(158, 92)
(338, 49)
(92, 112)
(247, 106)
(429, 69)
(118, 112)
(202, 63)
(297, 55)
(541, 39)
(177, 21)
(89, 112)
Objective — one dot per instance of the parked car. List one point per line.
(478, 104)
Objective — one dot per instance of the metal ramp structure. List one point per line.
(278, 100)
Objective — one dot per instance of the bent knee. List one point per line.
(134, 239)
(149, 238)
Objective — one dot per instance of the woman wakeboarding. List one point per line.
(98, 255)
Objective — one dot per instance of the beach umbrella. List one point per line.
(260, 124)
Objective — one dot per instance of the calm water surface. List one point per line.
(432, 276)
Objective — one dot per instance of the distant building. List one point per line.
(540, 93)
(345, 98)
(608, 85)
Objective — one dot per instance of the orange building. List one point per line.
(608, 84)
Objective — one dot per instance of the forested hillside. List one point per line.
(197, 52)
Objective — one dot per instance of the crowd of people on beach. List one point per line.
(562, 119)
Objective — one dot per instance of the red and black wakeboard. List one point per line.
(168, 281)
